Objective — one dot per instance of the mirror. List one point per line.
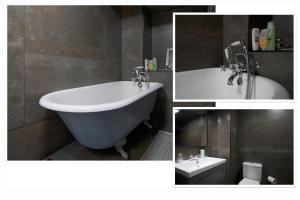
(191, 128)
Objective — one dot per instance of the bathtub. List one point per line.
(101, 116)
(211, 83)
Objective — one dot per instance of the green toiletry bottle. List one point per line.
(271, 36)
(154, 62)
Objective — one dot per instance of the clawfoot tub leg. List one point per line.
(119, 148)
(146, 122)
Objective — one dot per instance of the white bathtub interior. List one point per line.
(211, 83)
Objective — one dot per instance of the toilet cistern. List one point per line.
(252, 173)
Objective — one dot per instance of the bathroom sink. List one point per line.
(190, 168)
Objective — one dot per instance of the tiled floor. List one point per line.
(137, 143)
(160, 148)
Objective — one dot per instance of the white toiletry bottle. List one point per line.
(202, 153)
(146, 64)
(179, 158)
(255, 39)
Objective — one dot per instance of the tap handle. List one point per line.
(255, 65)
(223, 67)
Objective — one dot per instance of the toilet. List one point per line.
(251, 173)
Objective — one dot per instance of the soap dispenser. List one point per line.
(202, 154)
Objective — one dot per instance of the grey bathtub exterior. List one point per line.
(99, 130)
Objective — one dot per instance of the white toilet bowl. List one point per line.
(247, 181)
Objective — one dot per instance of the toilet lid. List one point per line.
(247, 181)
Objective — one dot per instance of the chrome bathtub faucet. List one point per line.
(239, 67)
(140, 75)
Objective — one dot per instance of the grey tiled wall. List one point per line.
(266, 136)
(52, 48)
(198, 42)
(263, 136)
(132, 39)
(162, 36)
(15, 61)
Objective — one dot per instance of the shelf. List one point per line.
(161, 70)
(287, 51)
(283, 26)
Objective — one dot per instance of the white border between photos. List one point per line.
(241, 107)
(295, 70)
(135, 179)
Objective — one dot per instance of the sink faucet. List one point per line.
(196, 158)
(140, 75)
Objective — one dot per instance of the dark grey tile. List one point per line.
(15, 66)
(132, 46)
(192, 133)
(266, 136)
(132, 17)
(235, 25)
(198, 42)
(45, 74)
(132, 40)
(163, 107)
(162, 39)
(36, 141)
(193, 52)
(15, 108)
(69, 30)
(15, 42)
(200, 25)
(252, 118)
(260, 134)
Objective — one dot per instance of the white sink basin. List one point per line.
(190, 168)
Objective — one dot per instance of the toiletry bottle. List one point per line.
(263, 41)
(202, 153)
(271, 36)
(150, 65)
(154, 63)
(146, 64)
(278, 44)
(255, 39)
(179, 157)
